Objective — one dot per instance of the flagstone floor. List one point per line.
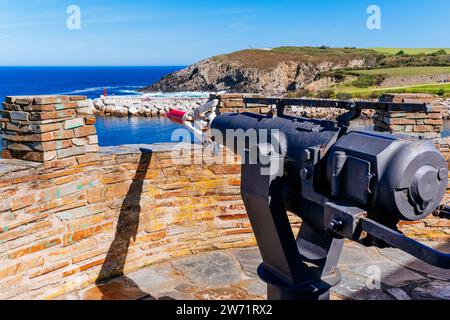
(231, 275)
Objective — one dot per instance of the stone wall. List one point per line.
(404, 81)
(47, 128)
(233, 102)
(65, 227)
(443, 144)
(419, 124)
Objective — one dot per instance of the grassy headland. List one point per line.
(318, 71)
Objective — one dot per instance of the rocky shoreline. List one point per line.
(446, 109)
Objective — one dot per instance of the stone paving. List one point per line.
(231, 275)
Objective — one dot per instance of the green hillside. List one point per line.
(362, 83)
(411, 51)
(440, 89)
(302, 70)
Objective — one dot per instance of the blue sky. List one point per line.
(170, 32)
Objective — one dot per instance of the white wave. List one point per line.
(129, 91)
(83, 90)
(133, 90)
(93, 89)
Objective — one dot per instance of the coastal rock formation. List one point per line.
(209, 75)
(257, 71)
(445, 109)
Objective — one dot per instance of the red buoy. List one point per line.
(104, 92)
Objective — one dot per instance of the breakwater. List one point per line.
(124, 106)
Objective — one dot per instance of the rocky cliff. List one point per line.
(271, 72)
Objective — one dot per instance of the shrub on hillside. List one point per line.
(300, 93)
(363, 81)
(344, 96)
(400, 53)
(374, 95)
(440, 92)
(441, 52)
(325, 94)
(339, 75)
(305, 93)
(368, 80)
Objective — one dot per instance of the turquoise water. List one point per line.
(114, 131)
(136, 130)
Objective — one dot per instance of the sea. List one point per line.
(88, 81)
(91, 82)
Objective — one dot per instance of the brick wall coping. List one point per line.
(14, 165)
(8, 166)
(136, 148)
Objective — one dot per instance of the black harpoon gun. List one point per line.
(342, 183)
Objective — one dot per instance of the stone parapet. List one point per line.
(47, 128)
(408, 98)
(64, 228)
(234, 102)
(443, 144)
(428, 125)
